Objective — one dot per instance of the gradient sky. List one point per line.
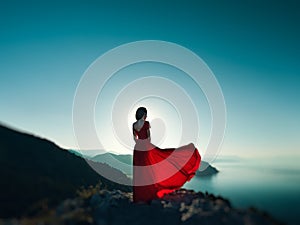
(251, 46)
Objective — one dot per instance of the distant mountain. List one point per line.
(124, 163)
(209, 171)
(88, 153)
(228, 159)
(35, 172)
(120, 162)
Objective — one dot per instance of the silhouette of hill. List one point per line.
(209, 170)
(120, 162)
(124, 162)
(35, 172)
(127, 159)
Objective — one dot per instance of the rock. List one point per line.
(182, 207)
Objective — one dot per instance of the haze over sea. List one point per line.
(271, 184)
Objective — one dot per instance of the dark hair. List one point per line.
(140, 112)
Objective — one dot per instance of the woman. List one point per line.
(159, 171)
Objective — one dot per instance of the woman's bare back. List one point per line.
(138, 125)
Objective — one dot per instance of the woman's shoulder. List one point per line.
(148, 124)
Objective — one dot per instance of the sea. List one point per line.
(269, 184)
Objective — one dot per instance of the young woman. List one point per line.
(157, 171)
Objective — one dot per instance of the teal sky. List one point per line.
(251, 46)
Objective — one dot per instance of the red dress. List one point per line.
(159, 171)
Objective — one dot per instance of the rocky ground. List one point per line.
(104, 207)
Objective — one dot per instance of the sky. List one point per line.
(252, 47)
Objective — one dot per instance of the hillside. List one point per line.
(37, 173)
(182, 207)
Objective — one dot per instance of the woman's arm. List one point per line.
(148, 132)
(135, 136)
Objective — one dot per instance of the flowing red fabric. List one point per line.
(159, 171)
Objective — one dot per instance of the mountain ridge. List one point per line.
(35, 171)
(124, 163)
